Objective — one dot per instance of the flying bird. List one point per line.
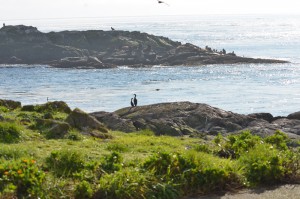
(159, 1)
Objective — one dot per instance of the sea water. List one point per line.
(241, 88)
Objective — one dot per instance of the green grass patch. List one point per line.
(135, 165)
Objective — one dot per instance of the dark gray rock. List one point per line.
(265, 116)
(295, 116)
(29, 108)
(53, 129)
(186, 118)
(114, 121)
(83, 121)
(105, 49)
(10, 104)
(58, 130)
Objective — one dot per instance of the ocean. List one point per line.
(240, 88)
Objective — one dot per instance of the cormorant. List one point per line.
(112, 28)
(131, 102)
(135, 100)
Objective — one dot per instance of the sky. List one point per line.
(45, 9)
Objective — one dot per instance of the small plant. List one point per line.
(238, 144)
(22, 177)
(168, 165)
(279, 139)
(65, 162)
(263, 165)
(3, 109)
(112, 162)
(9, 132)
(74, 135)
(83, 190)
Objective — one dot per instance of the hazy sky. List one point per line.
(39, 9)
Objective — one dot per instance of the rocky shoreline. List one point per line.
(175, 119)
(106, 49)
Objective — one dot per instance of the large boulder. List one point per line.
(295, 116)
(178, 118)
(10, 104)
(53, 129)
(186, 118)
(114, 121)
(83, 121)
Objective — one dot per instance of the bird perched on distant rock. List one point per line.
(131, 102)
(159, 1)
(135, 100)
(112, 28)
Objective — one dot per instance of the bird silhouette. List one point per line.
(112, 28)
(135, 100)
(131, 102)
(159, 1)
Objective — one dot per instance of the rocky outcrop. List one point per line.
(83, 121)
(10, 104)
(58, 106)
(52, 128)
(105, 49)
(186, 118)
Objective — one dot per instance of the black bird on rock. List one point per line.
(135, 100)
(131, 102)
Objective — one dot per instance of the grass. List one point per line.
(137, 164)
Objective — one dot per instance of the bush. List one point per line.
(112, 162)
(83, 190)
(168, 165)
(131, 183)
(9, 132)
(263, 165)
(211, 174)
(22, 177)
(238, 144)
(279, 140)
(65, 162)
(74, 135)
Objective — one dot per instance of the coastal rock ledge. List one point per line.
(186, 118)
(106, 49)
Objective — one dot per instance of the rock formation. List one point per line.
(186, 118)
(105, 49)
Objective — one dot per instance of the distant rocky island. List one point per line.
(106, 49)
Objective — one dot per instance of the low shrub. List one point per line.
(211, 174)
(131, 183)
(23, 177)
(9, 132)
(263, 165)
(65, 162)
(112, 162)
(279, 140)
(74, 135)
(235, 145)
(83, 190)
(168, 165)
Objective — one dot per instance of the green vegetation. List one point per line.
(133, 165)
